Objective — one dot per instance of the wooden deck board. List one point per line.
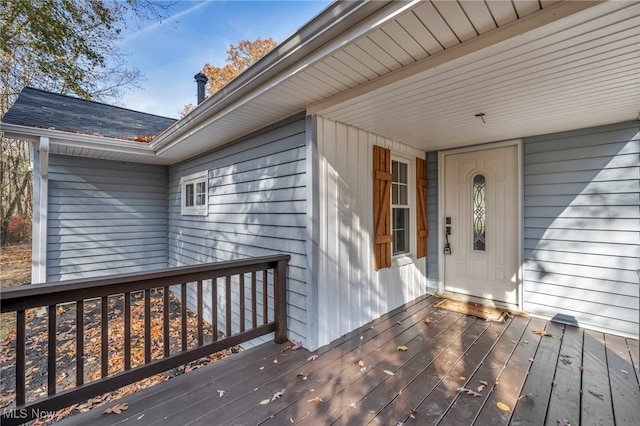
(584, 377)
(531, 408)
(597, 407)
(623, 381)
(564, 402)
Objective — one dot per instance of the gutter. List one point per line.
(76, 140)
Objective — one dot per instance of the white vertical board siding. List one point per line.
(582, 227)
(350, 292)
(257, 207)
(105, 218)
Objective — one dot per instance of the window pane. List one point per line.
(479, 212)
(200, 194)
(188, 196)
(400, 230)
(394, 171)
(403, 195)
(402, 169)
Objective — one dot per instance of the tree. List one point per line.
(239, 58)
(64, 46)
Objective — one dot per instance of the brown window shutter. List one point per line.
(382, 207)
(421, 200)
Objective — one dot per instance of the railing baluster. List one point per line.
(265, 298)
(20, 357)
(165, 316)
(184, 316)
(280, 301)
(200, 309)
(147, 326)
(254, 302)
(127, 331)
(227, 293)
(79, 342)
(241, 303)
(51, 368)
(214, 308)
(104, 324)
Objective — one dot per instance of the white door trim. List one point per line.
(441, 186)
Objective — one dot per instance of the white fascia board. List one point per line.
(76, 140)
(293, 56)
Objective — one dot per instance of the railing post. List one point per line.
(280, 301)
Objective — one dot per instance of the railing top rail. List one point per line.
(35, 295)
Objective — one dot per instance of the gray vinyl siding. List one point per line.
(257, 206)
(582, 227)
(433, 251)
(105, 218)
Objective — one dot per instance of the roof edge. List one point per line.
(62, 138)
(320, 30)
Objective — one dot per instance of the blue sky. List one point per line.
(171, 52)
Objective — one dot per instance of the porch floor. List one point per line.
(580, 376)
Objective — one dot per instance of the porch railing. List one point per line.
(255, 282)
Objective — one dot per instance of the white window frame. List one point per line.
(411, 190)
(195, 209)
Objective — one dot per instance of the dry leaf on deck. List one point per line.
(402, 348)
(563, 422)
(361, 363)
(220, 393)
(398, 322)
(480, 388)
(503, 407)
(117, 409)
(462, 378)
(296, 346)
(469, 392)
(312, 358)
(303, 375)
(542, 333)
(427, 321)
(277, 395)
(391, 373)
(597, 395)
(316, 399)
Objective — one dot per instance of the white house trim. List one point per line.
(40, 158)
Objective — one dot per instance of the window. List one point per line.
(479, 212)
(400, 209)
(194, 194)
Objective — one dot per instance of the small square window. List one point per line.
(194, 194)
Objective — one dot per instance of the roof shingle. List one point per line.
(39, 108)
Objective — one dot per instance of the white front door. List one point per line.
(481, 225)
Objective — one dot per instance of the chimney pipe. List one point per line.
(201, 80)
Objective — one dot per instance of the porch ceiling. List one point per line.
(577, 72)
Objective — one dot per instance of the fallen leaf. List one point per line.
(361, 363)
(296, 346)
(427, 321)
(265, 401)
(291, 420)
(275, 361)
(563, 422)
(530, 359)
(402, 348)
(483, 382)
(312, 358)
(316, 399)
(391, 373)
(624, 371)
(528, 396)
(542, 333)
(480, 388)
(412, 414)
(303, 375)
(352, 405)
(117, 409)
(565, 361)
(221, 393)
(398, 322)
(503, 407)
(361, 338)
(277, 395)
(261, 368)
(462, 378)
(597, 395)
(469, 392)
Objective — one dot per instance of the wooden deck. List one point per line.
(583, 377)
